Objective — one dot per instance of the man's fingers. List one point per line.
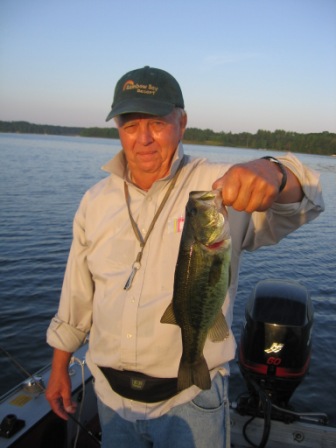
(58, 408)
(229, 187)
(246, 187)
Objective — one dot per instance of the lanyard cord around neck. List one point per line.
(137, 263)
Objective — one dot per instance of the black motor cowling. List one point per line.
(276, 338)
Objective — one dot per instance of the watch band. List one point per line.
(281, 168)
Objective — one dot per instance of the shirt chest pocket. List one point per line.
(112, 257)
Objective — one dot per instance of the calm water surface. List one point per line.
(42, 180)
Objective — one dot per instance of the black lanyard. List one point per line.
(137, 263)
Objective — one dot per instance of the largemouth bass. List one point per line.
(200, 284)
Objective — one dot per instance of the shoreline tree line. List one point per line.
(323, 143)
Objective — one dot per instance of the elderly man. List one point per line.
(120, 272)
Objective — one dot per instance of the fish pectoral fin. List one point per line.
(168, 316)
(220, 330)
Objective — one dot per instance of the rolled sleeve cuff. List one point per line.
(308, 178)
(63, 336)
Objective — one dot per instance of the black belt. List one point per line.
(139, 387)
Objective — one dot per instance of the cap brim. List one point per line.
(142, 106)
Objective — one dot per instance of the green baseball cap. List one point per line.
(146, 90)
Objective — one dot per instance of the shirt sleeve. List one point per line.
(69, 328)
(269, 227)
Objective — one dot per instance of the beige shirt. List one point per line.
(124, 325)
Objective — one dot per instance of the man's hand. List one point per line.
(254, 186)
(58, 392)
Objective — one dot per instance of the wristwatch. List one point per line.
(281, 168)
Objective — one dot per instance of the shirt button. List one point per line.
(129, 336)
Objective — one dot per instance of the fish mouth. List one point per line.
(204, 195)
(215, 245)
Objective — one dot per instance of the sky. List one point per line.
(243, 65)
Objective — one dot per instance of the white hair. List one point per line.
(178, 111)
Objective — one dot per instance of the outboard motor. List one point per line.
(276, 339)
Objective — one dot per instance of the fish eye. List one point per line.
(192, 211)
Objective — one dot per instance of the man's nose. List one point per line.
(144, 133)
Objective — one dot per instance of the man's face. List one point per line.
(150, 141)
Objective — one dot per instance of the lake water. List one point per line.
(42, 180)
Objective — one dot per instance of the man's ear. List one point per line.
(183, 123)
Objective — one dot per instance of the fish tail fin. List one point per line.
(196, 373)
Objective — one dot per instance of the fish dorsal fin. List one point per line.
(220, 330)
(168, 316)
